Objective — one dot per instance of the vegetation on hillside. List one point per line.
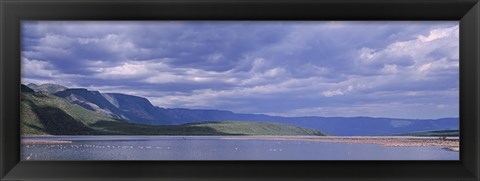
(257, 128)
(442, 133)
(45, 114)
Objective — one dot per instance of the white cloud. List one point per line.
(426, 58)
(41, 72)
(425, 67)
(366, 54)
(333, 93)
(216, 57)
(440, 33)
(32, 68)
(389, 69)
(129, 69)
(446, 39)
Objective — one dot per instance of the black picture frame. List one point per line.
(465, 11)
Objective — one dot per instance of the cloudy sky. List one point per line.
(378, 69)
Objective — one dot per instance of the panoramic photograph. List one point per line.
(239, 90)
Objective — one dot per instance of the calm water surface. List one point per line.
(214, 148)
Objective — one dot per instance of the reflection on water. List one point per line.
(213, 148)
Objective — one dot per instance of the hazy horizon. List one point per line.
(346, 69)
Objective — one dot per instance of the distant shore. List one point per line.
(28, 141)
(450, 144)
(392, 141)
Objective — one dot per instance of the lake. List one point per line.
(216, 148)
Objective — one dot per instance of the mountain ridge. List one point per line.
(48, 87)
(46, 114)
(140, 110)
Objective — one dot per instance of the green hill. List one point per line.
(45, 114)
(446, 133)
(257, 128)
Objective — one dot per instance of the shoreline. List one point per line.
(449, 144)
(27, 141)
